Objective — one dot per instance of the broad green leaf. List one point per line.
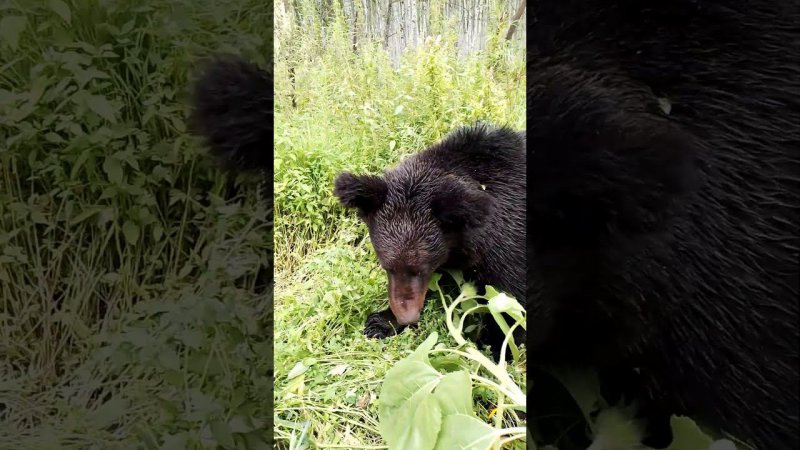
(80, 328)
(79, 162)
(10, 29)
(503, 303)
(616, 428)
(85, 76)
(113, 168)
(191, 338)
(60, 8)
(102, 107)
(204, 364)
(687, 435)
(222, 434)
(169, 358)
(457, 276)
(6, 238)
(202, 402)
(414, 397)
(297, 370)
(454, 393)
(421, 353)
(128, 26)
(7, 97)
(406, 379)
(459, 431)
(468, 290)
(139, 337)
(179, 124)
(53, 138)
(131, 232)
(416, 424)
(466, 305)
(309, 361)
(240, 424)
(37, 216)
(491, 292)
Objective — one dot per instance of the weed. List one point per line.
(131, 308)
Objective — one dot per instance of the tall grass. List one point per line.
(346, 110)
(131, 309)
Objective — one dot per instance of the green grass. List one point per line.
(129, 307)
(354, 111)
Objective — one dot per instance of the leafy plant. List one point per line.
(132, 307)
(615, 427)
(423, 408)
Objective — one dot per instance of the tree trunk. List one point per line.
(515, 20)
(354, 25)
(387, 25)
(400, 25)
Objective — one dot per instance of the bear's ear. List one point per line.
(458, 205)
(366, 193)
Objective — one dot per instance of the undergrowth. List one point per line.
(132, 307)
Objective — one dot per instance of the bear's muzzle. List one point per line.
(407, 296)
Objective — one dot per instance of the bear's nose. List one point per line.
(407, 312)
(407, 297)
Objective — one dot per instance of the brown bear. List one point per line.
(459, 204)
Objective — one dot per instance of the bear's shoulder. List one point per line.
(480, 145)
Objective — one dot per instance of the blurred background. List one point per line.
(134, 275)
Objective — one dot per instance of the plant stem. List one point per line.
(513, 437)
(503, 389)
(509, 387)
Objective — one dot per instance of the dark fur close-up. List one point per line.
(663, 150)
(232, 103)
(459, 204)
(231, 110)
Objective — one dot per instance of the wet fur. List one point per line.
(669, 242)
(431, 211)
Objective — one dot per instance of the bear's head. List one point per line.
(418, 220)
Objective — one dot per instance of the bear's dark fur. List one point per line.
(663, 240)
(459, 204)
(232, 102)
